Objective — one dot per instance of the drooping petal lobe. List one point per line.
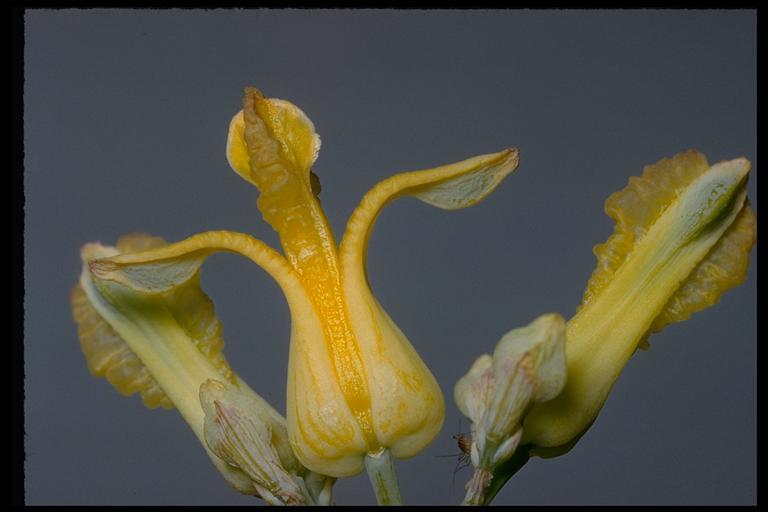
(449, 187)
(161, 269)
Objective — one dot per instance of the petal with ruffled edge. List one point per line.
(682, 238)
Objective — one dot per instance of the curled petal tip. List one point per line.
(101, 267)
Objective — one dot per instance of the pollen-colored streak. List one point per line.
(290, 207)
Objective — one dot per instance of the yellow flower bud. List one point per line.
(527, 367)
(356, 386)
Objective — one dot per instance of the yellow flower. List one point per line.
(356, 386)
(682, 238)
(167, 346)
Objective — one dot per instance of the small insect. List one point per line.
(464, 442)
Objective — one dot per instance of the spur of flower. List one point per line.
(357, 391)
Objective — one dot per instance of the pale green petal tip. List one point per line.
(470, 181)
(528, 366)
(462, 392)
(543, 341)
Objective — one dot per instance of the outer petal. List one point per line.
(108, 354)
(724, 267)
(169, 276)
(450, 187)
(543, 343)
(407, 404)
(155, 344)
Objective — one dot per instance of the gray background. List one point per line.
(126, 115)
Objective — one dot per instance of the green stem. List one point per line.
(522, 454)
(309, 498)
(381, 472)
(505, 471)
(320, 488)
(477, 487)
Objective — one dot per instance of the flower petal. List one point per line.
(281, 135)
(449, 187)
(165, 268)
(109, 356)
(173, 271)
(182, 321)
(542, 342)
(724, 267)
(469, 394)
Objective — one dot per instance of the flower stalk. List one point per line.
(381, 472)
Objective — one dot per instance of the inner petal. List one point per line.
(272, 132)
